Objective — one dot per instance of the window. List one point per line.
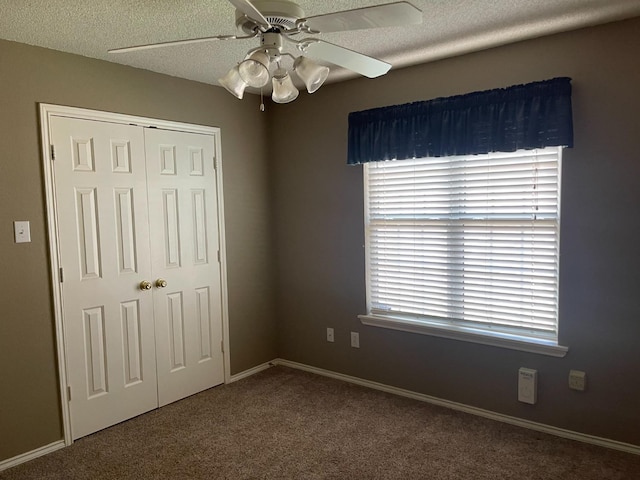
(466, 247)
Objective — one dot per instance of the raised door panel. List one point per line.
(184, 228)
(102, 214)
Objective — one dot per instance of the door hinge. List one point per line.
(218, 256)
(53, 152)
(222, 346)
(215, 162)
(61, 275)
(68, 393)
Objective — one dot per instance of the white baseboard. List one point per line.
(540, 427)
(25, 457)
(251, 371)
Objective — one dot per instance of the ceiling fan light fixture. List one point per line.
(275, 22)
(312, 74)
(284, 91)
(234, 83)
(254, 69)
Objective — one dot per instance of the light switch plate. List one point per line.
(22, 231)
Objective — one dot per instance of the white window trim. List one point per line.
(465, 334)
(450, 330)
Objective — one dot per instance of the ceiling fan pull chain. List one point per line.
(261, 101)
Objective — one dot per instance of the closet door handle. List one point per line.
(144, 285)
(160, 283)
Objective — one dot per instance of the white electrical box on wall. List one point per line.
(22, 231)
(577, 380)
(528, 385)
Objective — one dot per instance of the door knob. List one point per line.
(144, 285)
(160, 283)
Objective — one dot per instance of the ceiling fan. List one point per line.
(277, 23)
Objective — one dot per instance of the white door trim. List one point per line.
(47, 111)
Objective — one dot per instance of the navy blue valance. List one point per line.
(534, 115)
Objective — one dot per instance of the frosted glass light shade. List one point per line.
(254, 70)
(284, 91)
(233, 83)
(312, 74)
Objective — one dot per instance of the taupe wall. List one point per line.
(318, 211)
(29, 404)
(299, 183)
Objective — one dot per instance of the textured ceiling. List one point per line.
(450, 27)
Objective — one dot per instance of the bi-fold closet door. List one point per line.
(138, 245)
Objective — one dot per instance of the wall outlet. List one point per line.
(528, 385)
(577, 380)
(355, 339)
(330, 337)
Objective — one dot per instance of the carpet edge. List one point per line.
(499, 417)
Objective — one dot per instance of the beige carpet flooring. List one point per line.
(287, 424)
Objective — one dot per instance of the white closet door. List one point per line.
(102, 214)
(183, 217)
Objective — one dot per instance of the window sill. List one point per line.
(512, 342)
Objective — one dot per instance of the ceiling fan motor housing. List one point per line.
(272, 44)
(281, 14)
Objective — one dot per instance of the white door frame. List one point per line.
(47, 111)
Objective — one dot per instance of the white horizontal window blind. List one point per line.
(466, 242)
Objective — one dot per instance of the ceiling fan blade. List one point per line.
(343, 57)
(387, 15)
(148, 46)
(249, 9)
